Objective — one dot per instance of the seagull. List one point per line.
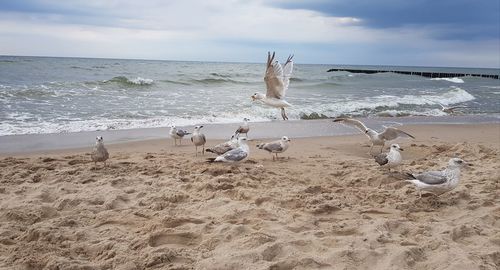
(198, 139)
(446, 109)
(439, 182)
(276, 147)
(277, 79)
(236, 155)
(243, 128)
(222, 148)
(177, 134)
(99, 153)
(376, 138)
(390, 159)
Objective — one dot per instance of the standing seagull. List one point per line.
(376, 138)
(222, 148)
(177, 134)
(198, 139)
(277, 79)
(390, 159)
(99, 153)
(244, 128)
(235, 155)
(439, 182)
(276, 147)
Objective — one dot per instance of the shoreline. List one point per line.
(45, 143)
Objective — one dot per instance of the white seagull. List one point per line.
(222, 148)
(198, 139)
(390, 159)
(243, 128)
(99, 153)
(276, 147)
(376, 138)
(277, 79)
(448, 109)
(177, 134)
(236, 155)
(439, 182)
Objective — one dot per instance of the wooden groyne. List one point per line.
(418, 73)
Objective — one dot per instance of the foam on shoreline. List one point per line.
(259, 130)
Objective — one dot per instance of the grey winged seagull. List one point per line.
(277, 79)
(224, 147)
(276, 147)
(439, 182)
(198, 139)
(376, 138)
(235, 155)
(99, 153)
(177, 134)
(390, 159)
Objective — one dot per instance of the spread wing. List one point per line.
(432, 177)
(392, 133)
(287, 73)
(352, 122)
(274, 78)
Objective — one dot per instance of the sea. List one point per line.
(40, 95)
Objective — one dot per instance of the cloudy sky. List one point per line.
(384, 32)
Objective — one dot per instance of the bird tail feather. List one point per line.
(210, 160)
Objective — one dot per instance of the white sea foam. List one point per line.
(141, 81)
(453, 80)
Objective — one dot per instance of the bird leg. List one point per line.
(196, 149)
(203, 150)
(370, 151)
(272, 156)
(180, 141)
(283, 114)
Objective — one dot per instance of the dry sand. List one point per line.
(325, 205)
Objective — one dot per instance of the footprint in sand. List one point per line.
(174, 239)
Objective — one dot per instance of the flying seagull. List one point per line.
(236, 155)
(177, 134)
(376, 138)
(99, 153)
(276, 147)
(448, 109)
(390, 159)
(439, 182)
(198, 139)
(277, 79)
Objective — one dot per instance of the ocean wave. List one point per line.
(453, 80)
(126, 81)
(214, 81)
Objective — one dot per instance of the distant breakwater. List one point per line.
(418, 73)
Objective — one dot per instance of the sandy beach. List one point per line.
(325, 205)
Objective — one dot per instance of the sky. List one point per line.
(457, 33)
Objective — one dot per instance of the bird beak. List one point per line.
(253, 98)
(469, 164)
(401, 149)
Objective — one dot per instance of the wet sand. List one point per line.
(325, 205)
